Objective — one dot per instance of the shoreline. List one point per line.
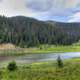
(38, 50)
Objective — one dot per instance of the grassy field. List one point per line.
(43, 49)
(57, 49)
(44, 71)
(16, 51)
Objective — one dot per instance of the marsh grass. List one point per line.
(44, 71)
(40, 49)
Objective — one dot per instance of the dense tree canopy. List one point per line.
(26, 32)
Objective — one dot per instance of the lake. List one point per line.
(32, 58)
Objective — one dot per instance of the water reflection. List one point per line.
(30, 58)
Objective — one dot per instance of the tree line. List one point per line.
(26, 32)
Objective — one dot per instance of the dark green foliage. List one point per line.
(59, 62)
(27, 32)
(12, 66)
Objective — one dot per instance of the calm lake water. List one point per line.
(31, 58)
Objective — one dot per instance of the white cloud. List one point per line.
(75, 17)
(14, 7)
(41, 9)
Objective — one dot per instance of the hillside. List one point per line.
(27, 32)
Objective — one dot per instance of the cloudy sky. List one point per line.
(59, 10)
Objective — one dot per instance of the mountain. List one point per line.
(26, 32)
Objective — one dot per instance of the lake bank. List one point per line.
(36, 50)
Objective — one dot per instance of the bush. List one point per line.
(59, 62)
(12, 66)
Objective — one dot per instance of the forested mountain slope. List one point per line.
(26, 32)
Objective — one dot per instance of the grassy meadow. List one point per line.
(44, 71)
(40, 49)
(57, 48)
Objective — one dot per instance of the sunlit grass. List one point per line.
(57, 49)
(44, 71)
(40, 49)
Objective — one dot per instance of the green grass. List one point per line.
(57, 49)
(44, 71)
(41, 49)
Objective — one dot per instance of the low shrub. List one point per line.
(59, 62)
(12, 66)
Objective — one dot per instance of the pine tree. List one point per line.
(59, 62)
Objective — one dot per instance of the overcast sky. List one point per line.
(59, 10)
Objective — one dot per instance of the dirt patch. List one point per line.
(7, 46)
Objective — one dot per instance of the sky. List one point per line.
(58, 10)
